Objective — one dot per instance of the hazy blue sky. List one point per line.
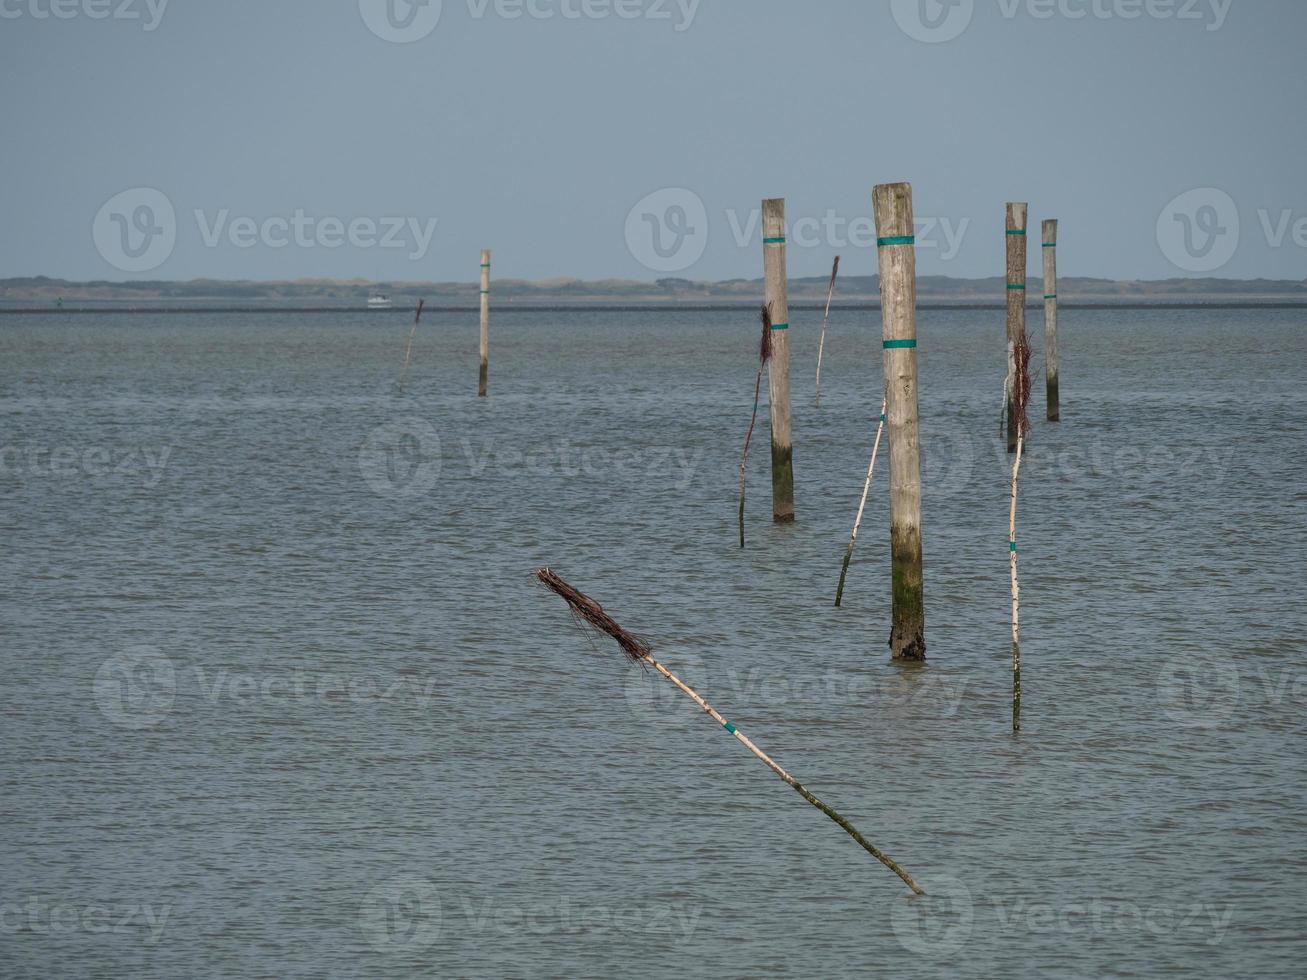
(537, 135)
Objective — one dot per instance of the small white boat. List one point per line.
(379, 301)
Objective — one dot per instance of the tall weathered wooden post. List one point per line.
(485, 322)
(1016, 301)
(896, 243)
(778, 370)
(1050, 319)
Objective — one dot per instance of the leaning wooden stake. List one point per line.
(778, 372)
(898, 300)
(857, 522)
(764, 355)
(821, 347)
(408, 351)
(1016, 297)
(590, 614)
(485, 322)
(1019, 395)
(1050, 319)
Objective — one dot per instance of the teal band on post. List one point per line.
(1050, 296)
(485, 265)
(897, 240)
(1013, 285)
(780, 326)
(485, 292)
(774, 241)
(729, 727)
(900, 344)
(1050, 244)
(1016, 231)
(882, 418)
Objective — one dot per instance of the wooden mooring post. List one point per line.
(896, 244)
(776, 297)
(1016, 301)
(485, 323)
(1050, 319)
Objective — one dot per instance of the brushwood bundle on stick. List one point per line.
(408, 352)
(591, 615)
(764, 355)
(1019, 392)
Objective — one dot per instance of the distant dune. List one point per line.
(45, 293)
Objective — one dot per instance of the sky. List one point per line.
(378, 139)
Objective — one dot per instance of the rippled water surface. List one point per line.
(281, 697)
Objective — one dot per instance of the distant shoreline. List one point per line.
(508, 309)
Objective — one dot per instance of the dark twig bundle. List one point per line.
(591, 615)
(764, 355)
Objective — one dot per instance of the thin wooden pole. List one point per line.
(857, 522)
(1016, 588)
(778, 370)
(896, 243)
(485, 323)
(1016, 298)
(1050, 319)
(821, 347)
(408, 351)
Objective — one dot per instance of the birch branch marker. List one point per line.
(764, 355)
(408, 351)
(857, 522)
(821, 347)
(1019, 392)
(591, 615)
